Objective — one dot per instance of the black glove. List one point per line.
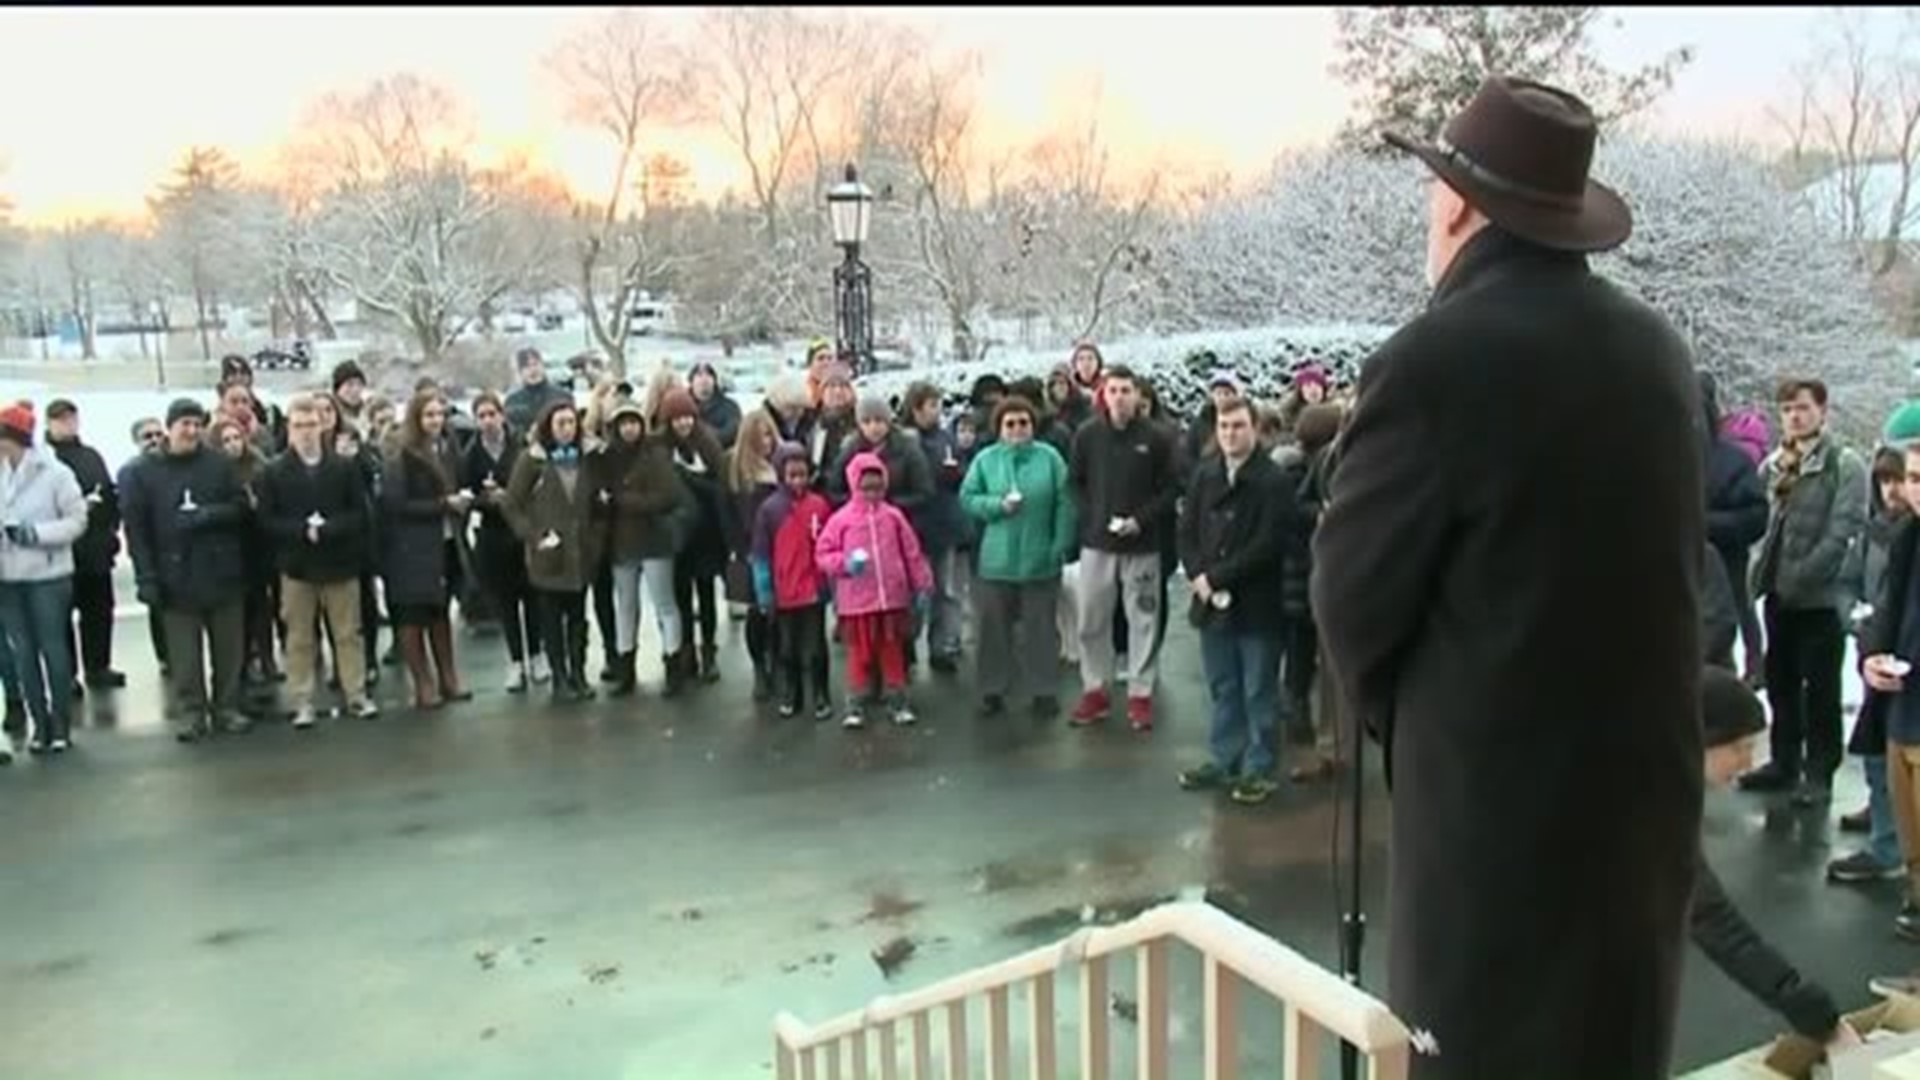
(150, 594)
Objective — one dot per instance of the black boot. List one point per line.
(709, 663)
(762, 685)
(670, 663)
(624, 685)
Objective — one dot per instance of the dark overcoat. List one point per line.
(1515, 612)
(413, 526)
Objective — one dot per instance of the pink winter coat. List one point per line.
(896, 568)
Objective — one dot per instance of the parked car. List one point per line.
(298, 357)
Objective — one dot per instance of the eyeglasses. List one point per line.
(1016, 422)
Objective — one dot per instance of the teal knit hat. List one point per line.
(1903, 426)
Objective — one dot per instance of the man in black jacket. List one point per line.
(150, 441)
(93, 555)
(1516, 615)
(1731, 718)
(1234, 538)
(185, 512)
(314, 506)
(1125, 486)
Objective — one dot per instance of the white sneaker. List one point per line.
(854, 721)
(539, 671)
(517, 678)
(903, 715)
(60, 746)
(364, 709)
(303, 719)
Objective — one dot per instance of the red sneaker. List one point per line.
(1091, 709)
(1140, 713)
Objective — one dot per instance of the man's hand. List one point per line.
(1125, 526)
(1010, 503)
(550, 541)
(1885, 673)
(460, 501)
(1202, 588)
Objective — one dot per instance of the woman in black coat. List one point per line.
(423, 511)
(498, 557)
(702, 554)
(1736, 513)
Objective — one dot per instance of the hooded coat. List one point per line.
(539, 501)
(1516, 615)
(644, 493)
(895, 569)
(786, 576)
(45, 496)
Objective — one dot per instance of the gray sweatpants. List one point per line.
(1015, 638)
(1136, 579)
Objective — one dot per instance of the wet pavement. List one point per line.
(633, 890)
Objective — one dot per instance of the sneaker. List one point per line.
(1861, 867)
(1140, 713)
(1907, 923)
(903, 715)
(1768, 778)
(303, 719)
(237, 724)
(1890, 985)
(107, 679)
(39, 746)
(60, 746)
(364, 709)
(1253, 790)
(992, 705)
(1860, 821)
(1208, 777)
(789, 710)
(539, 670)
(517, 679)
(823, 711)
(1092, 708)
(854, 720)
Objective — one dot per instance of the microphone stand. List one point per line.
(1353, 919)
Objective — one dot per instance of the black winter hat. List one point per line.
(347, 371)
(1729, 711)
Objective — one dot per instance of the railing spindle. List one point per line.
(807, 1057)
(1150, 972)
(783, 1064)
(998, 1067)
(833, 1060)
(957, 1068)
(1042, 1034)
(922, 1048)
(1303, 1044)
(1390, 1064)
(889, 1053)
(857, 1056)
(1222, 1019)
(1095, 1060)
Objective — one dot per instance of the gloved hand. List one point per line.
(28, 535)
(857, 560)
(150, 594)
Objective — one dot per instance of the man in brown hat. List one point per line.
(1515, 614)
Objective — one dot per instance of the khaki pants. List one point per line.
(1903, 791)
(302, 603)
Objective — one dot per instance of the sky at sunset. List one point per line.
(101, 102)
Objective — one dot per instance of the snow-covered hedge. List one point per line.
(1265, 358)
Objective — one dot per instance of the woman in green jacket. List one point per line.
(1017, 489)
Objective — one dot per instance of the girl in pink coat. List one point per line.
(880, 577)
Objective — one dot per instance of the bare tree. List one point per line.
(1855, 119)
(1414, 67)
(195, 212)
(84, 249)
(407, 226)
(624, 77)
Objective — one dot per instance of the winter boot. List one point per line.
(624, 685)
(709, 663)
(676, 679)
(762, 685)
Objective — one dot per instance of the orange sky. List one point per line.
(101, 102)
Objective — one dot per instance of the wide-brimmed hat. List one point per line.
(1520, 153)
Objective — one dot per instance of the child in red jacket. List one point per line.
(880, 579)
(788, 583)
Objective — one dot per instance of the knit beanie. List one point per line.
(185, 408)
(872, 407)
(1903, 426)
(676, 404)
(1312, 373)
(16, 423)
(1728, 710)
(347, 371)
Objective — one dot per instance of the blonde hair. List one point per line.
(593, 420)
(746, 465)
(662, 381)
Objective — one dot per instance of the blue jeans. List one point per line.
(1883, 842)
(38, 619)
(1243, 679)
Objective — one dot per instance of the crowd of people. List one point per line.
(1040, 519)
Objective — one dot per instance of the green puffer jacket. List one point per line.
(1033, 543)
(1808, 547)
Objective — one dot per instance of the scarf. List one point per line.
(1788, 463)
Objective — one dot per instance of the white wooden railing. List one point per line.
(1314, 1004)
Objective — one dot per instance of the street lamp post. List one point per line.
(850, 210)
(159, 343)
